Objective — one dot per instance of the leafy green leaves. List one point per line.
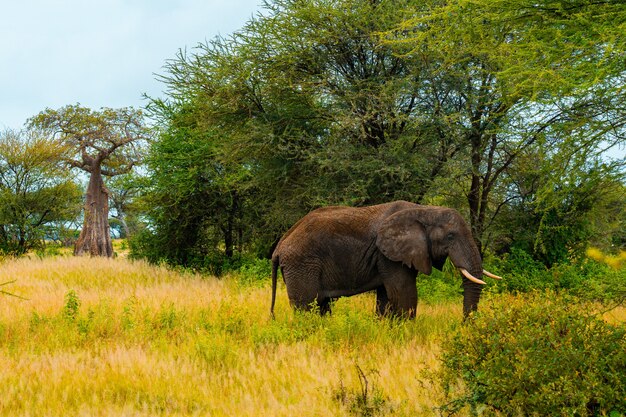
(538, 354)
(357, 102)
(35, 191)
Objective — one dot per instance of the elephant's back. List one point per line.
(337, 225)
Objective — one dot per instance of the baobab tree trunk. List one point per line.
(95, 238)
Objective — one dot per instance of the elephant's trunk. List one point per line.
(467, 259)
(471, 294)
(472, 286)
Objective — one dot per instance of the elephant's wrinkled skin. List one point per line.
(341, 251)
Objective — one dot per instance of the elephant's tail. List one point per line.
(275, 263)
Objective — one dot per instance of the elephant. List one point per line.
(341, 251)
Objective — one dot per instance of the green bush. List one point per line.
(439, 287)
(522, 273)
(537, 354)
(72, 304)
(583, 277)
(601, 283)
(254, 272)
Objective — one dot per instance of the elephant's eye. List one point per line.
(450, 236)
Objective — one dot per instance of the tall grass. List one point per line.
(100, 337)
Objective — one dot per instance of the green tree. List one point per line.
(508, 77)
(555, 212)
(302, 107)
(193, 204)
(36, 193)
(357, 102)
(100, 143)
(124, 192)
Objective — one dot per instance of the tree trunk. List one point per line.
(125, 227)
(95, 238)
(229, 230)
(125, 230)
(474, 195)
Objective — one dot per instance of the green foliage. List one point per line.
(523, 273)
(194, 206)
(254, 272)
(516, 97)
(113, 137)
(36, 193)
(554, 214)
(577, 207)
(500, 109)
(584, 277)
(538, 354)
(124, 192)
(72, 304)
(440, 286)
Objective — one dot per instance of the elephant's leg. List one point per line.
(324, 306)
(320, 305)
(300, 301)
(302, 288)
(402, 293)
(382, 301)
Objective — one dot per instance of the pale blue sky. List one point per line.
(99, 53)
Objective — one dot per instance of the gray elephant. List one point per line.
(335, 252)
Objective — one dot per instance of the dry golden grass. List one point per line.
(616, 315)
(101, 337)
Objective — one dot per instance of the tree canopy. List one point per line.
(501, 109)
(35, 192)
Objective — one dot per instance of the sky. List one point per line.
(99, 53)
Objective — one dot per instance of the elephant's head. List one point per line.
(425, 236)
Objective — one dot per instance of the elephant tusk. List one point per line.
(490, 275)
(471, 277)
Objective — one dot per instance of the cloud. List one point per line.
(101, 54)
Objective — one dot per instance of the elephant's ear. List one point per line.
(402, 237)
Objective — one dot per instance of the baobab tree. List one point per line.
(100, 143)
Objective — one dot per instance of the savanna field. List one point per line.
(111, 337)
(115, 337)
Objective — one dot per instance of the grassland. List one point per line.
(100, 337)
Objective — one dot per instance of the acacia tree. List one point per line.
(100, 143)
(508, 77)
(308, 105)
(194, 201)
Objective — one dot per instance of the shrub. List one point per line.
(583, 277)
(537, 354)
(72, 304)
(522, 273)
(440, 286)
(254, 272)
